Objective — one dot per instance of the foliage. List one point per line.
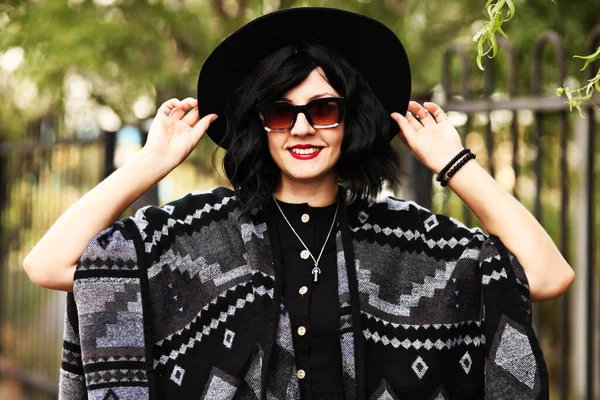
(578, 96)
(487, 34)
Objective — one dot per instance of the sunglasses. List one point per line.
(280, 116)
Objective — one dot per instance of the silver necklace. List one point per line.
(316, 271)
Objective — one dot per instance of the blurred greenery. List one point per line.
(126, 49)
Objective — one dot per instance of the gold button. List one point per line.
(300, 374)
(304, 254)
(301, 331)
(305, 218)
(303, 290)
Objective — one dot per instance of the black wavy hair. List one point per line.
(367, 159)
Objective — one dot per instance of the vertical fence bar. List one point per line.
(36, 293)
(3, 246)
(593, 43)
(564, 319)
(488, 87)
(110, 144)
(456, 50)
(554, 40)
(511, 84)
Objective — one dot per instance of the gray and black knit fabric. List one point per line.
(184, 302)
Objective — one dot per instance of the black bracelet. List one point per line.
(457, 167)
(440, 176)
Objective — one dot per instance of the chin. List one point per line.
(308, 176)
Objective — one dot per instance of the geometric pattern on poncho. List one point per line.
(384, 392)
(513, 373)
(425, 283)
(220, 386)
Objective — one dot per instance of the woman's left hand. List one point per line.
(430, 138)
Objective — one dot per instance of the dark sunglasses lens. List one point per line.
(324, 112)
(278, 115)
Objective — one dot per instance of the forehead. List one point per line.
(315, 85)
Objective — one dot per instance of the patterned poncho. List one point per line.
(184, 302)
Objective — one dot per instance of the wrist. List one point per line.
(466, 175)
(149, 161)
(449, 161)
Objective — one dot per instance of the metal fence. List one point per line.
(530, 143)
(39, 178)
(547, 161)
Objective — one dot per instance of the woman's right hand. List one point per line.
(174, 134)
(172, 137)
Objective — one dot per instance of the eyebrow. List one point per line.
(316, 96)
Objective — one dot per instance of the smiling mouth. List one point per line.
(310, 150)
(306, 153)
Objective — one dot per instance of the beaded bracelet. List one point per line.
(440, 176)
(457, 167)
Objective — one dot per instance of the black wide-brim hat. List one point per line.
(369, 45)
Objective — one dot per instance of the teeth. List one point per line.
(305, 151)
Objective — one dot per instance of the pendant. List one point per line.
(316, 271)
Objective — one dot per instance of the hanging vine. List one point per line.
(585, 93)
(500, 11)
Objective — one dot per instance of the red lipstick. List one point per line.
(308, 156)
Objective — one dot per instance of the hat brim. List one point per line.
(369, 45)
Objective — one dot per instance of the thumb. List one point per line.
(201, 126)
(406, 129)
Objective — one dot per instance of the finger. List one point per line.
(177, 113)
(184, 105)
(166, 107)
(436, 111)
(402, 138)
(422, 113)
(192, 117)
(394, 116)
(413, 121)
(188, 103)
(407, 132)
(176, 108)
(202, 126)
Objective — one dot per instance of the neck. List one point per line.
(317, 194)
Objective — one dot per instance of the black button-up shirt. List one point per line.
(313, 307)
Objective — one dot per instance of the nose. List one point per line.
(301, 126)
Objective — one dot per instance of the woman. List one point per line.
(293, 286)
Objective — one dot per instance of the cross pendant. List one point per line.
(316, 271)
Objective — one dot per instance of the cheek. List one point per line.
(336, 141)
(274, 146)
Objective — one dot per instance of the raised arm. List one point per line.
(52, 262)
(434, 144)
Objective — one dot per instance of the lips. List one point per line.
(305, 152)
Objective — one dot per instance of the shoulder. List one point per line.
(390, 216)
(193, 212)
(383, 208)
(193, 206)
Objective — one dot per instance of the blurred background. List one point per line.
(80, 82)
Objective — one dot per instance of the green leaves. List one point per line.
(498, 12)
(501, 11)
(578, 96)
(590, 59)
